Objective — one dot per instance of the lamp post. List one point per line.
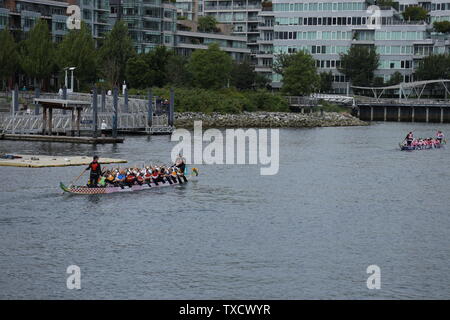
(65, 79)
(71, 79)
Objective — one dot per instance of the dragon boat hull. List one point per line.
(106, 190)
(135, 187)
(411, 148)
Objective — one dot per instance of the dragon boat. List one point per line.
(426, 147)
(85, 190)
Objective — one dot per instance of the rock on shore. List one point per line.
(267, 120)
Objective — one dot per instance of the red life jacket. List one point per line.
(94, 166)
(130, 178)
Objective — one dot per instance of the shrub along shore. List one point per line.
(257, 109)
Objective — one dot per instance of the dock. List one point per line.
(43, 161)
(64, 139)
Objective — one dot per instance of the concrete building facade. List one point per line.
(326, 29)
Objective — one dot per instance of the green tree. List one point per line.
(243, 75)
(137, 73)
(300, 75)
(149, 69)
(442, 26)
(281, 61)
(210, 68)
(435, 66)
(415, 13)
(207, 23)
(78, 50)
(37, 53)
(396, 78)
(359, 64)
(8, 55)
(326, 81)
(176, 71)
(117, 48)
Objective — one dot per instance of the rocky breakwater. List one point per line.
(267, 120)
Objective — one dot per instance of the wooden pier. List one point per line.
(63, 139)
(404, 112)
(42, 161)
(79, 113)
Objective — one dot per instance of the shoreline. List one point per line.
(262, 119)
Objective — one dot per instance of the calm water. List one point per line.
(344, 198)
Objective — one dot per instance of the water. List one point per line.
(344, 198)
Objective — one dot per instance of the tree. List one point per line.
(326, 81)
(396, 78)
(8, 55)
(281, 61)
(435, 66)
(359, 64)
(415, 13)
(210, 68)
(78, 50)
(243, 75)
(442, 26)
(37, 53)
(207, 23)
(149, 69)
(115, 52)
(300, 76)
(176, 71)
(137, 72)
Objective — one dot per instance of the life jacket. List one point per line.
(94, 166)
(130, 178)
(140, 178)
(155, 174)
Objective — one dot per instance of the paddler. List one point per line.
(439, 136)
(180, 162)
(96, 172)
(409, 138)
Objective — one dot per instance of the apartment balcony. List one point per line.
(264, 41)
(264, 54)
(262, 68)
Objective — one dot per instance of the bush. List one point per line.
(330, 107)
(222, 101)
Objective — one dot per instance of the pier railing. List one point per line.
(132, 114)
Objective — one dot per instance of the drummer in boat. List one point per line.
(439, 136)
(96, 172)
(180, 162)
(409, 138)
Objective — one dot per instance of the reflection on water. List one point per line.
(344, 198)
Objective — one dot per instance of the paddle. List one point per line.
(71, 184)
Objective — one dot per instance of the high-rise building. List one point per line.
(242, 14)
(264, 55)
(327, 28)
(150, 22)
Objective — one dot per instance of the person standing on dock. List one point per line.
(103, 128)
(96, 172)
(409, 138)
